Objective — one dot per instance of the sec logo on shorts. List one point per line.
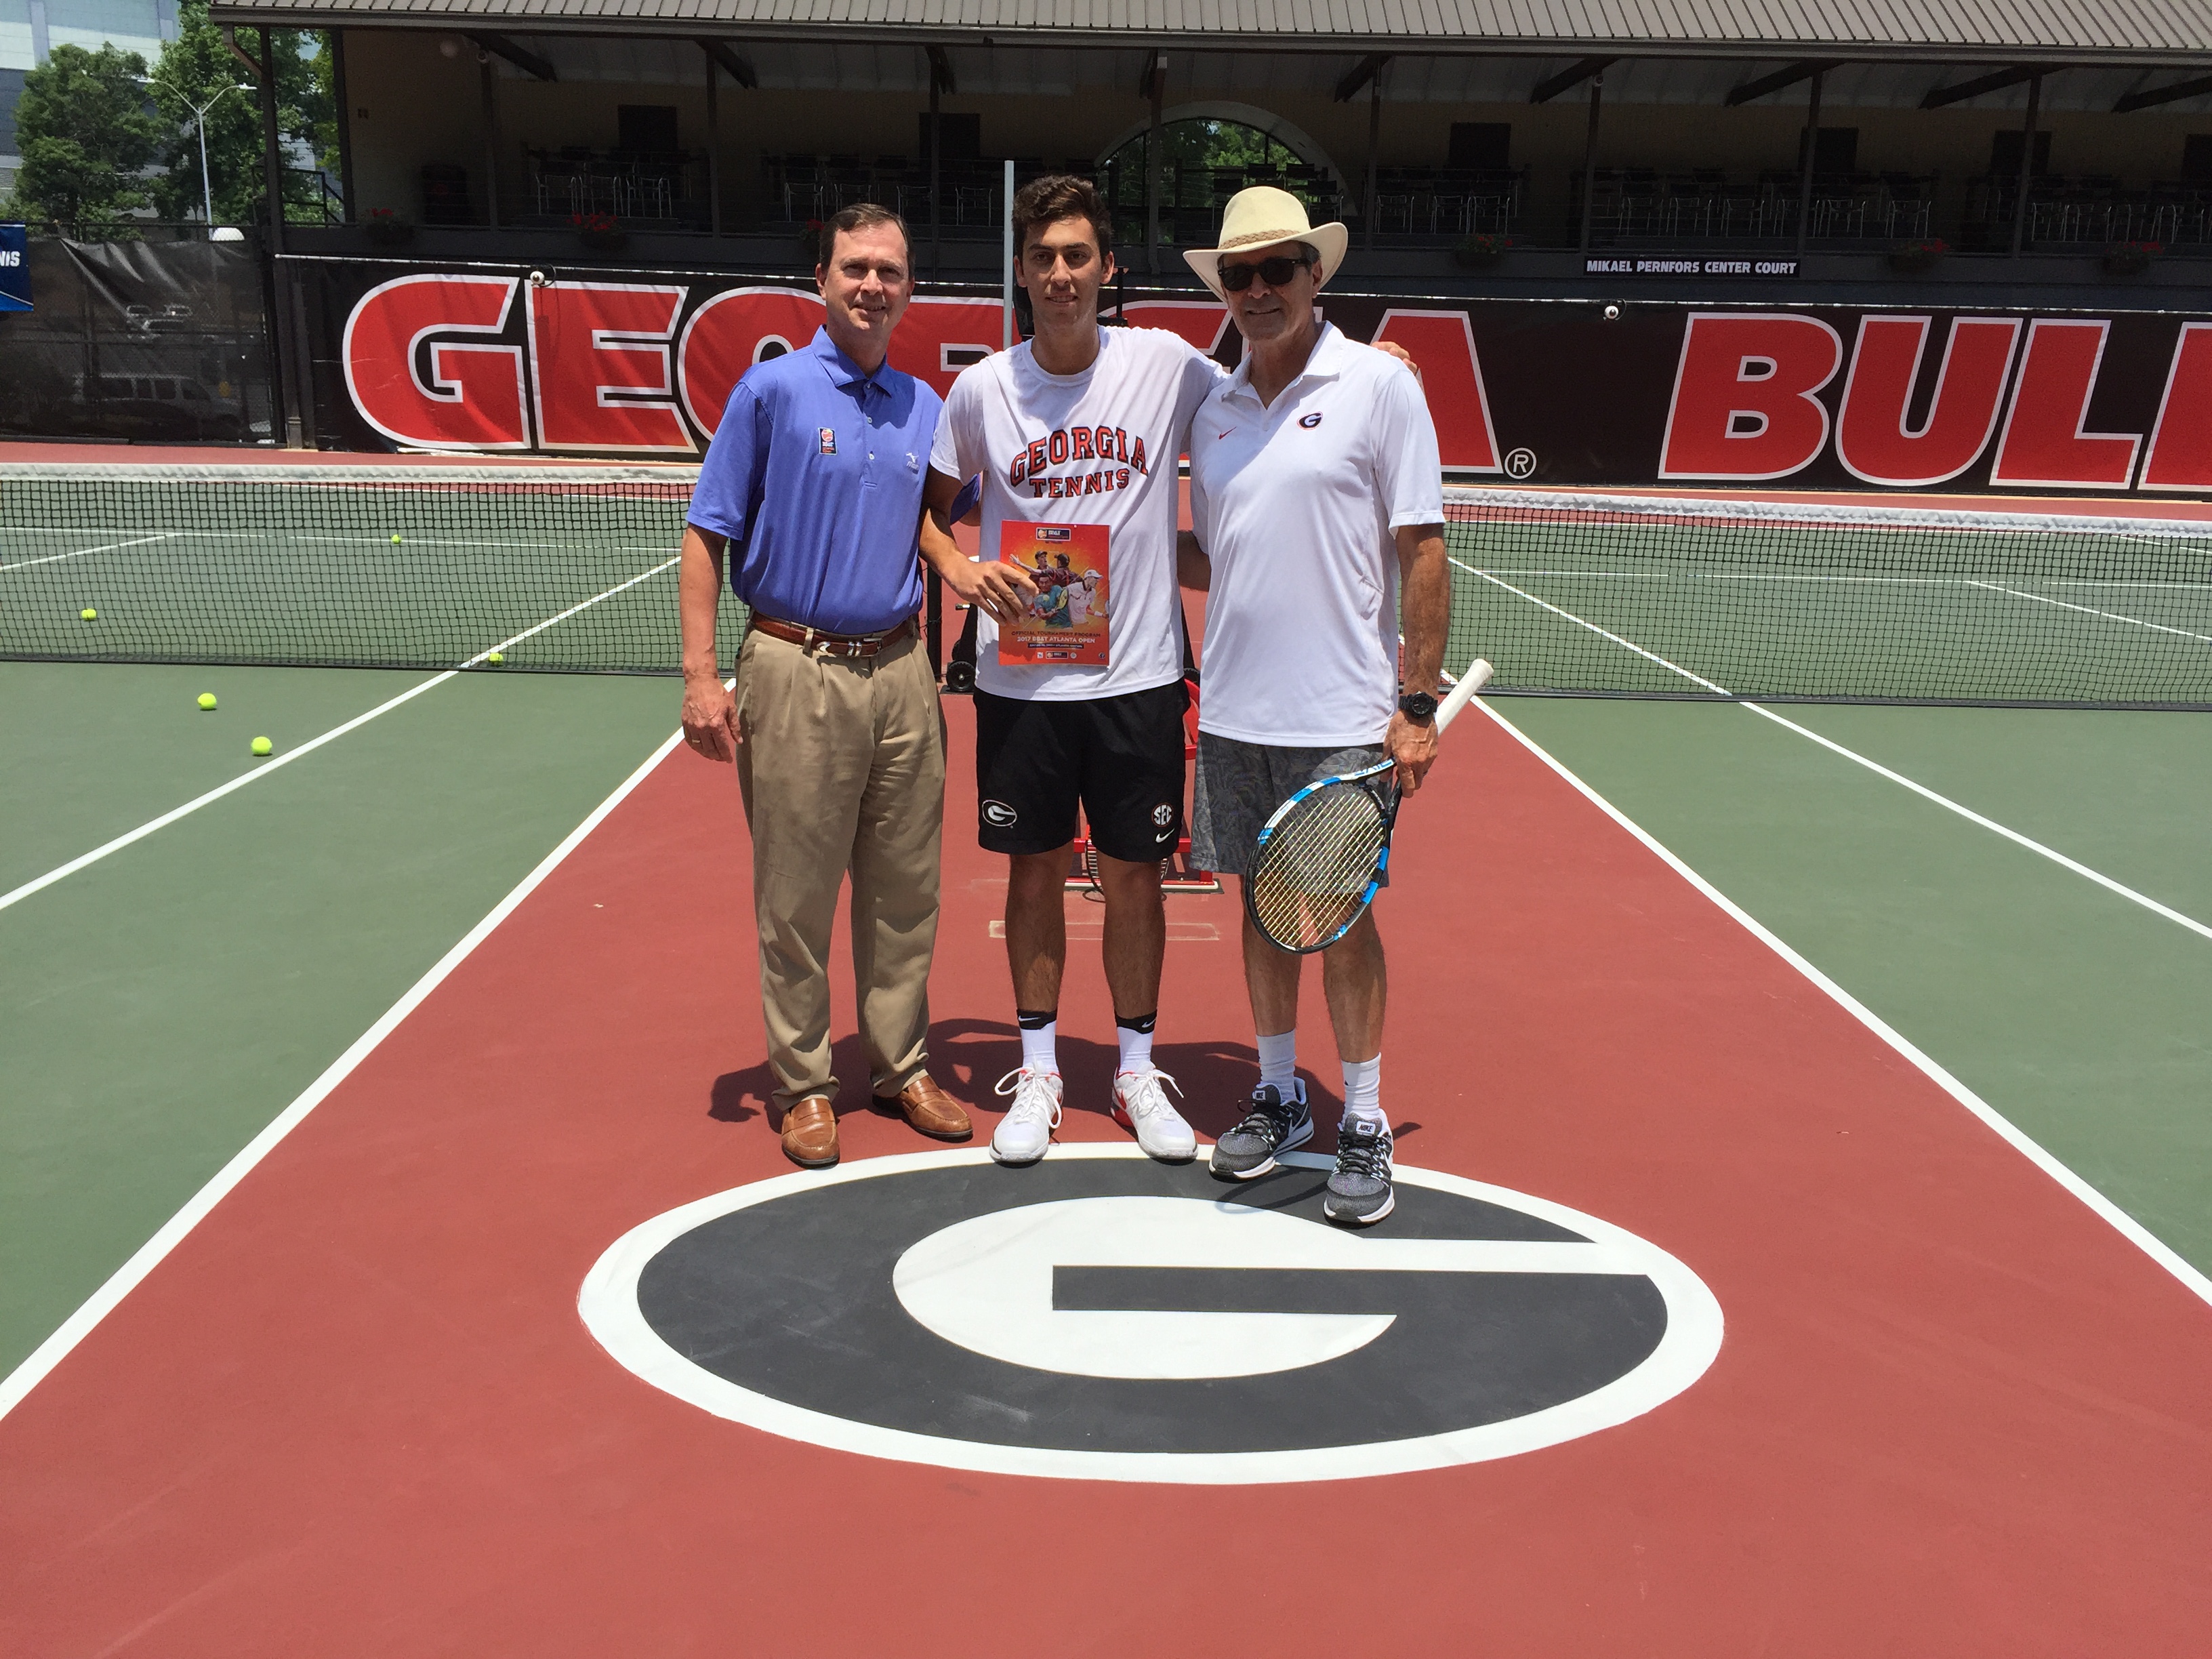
(1101, 1316)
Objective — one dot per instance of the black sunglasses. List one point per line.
(1274, 272)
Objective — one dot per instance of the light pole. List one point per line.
(199, 123)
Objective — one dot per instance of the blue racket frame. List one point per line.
(1477, 676)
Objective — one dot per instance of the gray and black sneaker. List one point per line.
(1272, 1125)
(1360, 1189)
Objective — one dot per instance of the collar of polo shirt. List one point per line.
(841, 370)
(1326, 363)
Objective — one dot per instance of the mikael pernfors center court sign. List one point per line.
(1548, 392)
(1101, 1316)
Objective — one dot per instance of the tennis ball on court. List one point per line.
(395, 538)
(89, 614)
(207, 700)
(263, 746)
(496, 658)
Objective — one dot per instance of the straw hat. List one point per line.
(1260, 217)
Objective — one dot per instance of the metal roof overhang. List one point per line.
(2142, 33)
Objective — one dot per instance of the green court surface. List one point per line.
(160, 1006)
(2083, 1018)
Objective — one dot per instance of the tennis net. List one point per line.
(574, 568)
(358, 566)
(1668, 596)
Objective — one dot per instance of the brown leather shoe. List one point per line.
(810, 1133)
(928, 1108)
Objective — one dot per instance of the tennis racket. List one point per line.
(1319, 860)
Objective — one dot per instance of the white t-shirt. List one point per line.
(1295, 502)
(1106, 441)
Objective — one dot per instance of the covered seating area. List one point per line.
(1821, 127)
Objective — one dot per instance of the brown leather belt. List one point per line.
(863, 646)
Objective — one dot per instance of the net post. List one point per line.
(934, 625)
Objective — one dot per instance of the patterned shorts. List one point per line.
(1240, 784)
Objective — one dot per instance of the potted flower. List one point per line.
(1482, 250)
(809, 244)
(1922, 253)
(386, 229)
(599, 232)
(2131, 259)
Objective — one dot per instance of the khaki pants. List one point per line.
(842, 768)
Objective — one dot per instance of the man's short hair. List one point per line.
(1059, 195)
(856, 217)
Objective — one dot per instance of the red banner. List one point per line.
(1547, 392)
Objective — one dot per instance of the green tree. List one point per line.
(1198, 159)
(197, 67)
(85, 134)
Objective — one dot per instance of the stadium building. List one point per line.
(2046, 137)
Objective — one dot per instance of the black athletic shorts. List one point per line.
(1120, 757)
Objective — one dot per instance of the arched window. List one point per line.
(1203, 161)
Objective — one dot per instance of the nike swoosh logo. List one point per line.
(1219, 436)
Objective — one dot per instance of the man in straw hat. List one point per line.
(1317, 497)
(1079, 426)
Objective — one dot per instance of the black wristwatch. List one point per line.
(1417, 706)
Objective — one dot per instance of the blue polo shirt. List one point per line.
(815, 476)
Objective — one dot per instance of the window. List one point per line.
(962, 137)
(1836, 149)
(646, 127)
(1487, 145)
(2005, 153)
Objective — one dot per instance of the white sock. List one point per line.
(1136, 1041)
(1363, 1091)
(1279, 1062)
(1040, 1047)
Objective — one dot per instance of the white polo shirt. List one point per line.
(1295, 503)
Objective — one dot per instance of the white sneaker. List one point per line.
(1140, 1104)
(1024, 1133)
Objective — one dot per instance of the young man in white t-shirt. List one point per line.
(1315, 492)
(1079, 426)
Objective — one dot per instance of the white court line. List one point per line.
(2090, 610)
(1991, 825)
(1876, 767)
(2113, 582)
(307, 748)
(86, 552)
(2125, 1224)
(361, 540)
(80, 1324)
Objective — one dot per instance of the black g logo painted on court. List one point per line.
(1102, 1316)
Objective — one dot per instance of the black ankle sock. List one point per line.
(1138, 1022)
(1035, 1019)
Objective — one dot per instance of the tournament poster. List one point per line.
(1067, 622)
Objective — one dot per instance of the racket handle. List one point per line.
(1477, 676)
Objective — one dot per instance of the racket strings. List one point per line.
(1307, 883)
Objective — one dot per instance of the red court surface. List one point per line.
(356, 1413)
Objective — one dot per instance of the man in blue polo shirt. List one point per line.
(816, 476)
